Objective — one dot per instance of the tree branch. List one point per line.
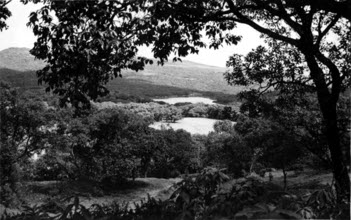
(342, 8)
(325, 31)
(243, 19)
(4, 3)
(335, 74)
(283, 14)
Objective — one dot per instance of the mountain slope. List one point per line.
(19, 59)
(187, 75)
(18, 67)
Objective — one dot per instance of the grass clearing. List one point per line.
(37, 193)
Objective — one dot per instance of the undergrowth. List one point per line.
(205, 196)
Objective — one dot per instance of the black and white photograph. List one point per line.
(175, 109)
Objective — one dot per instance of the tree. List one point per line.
(83, 51)
(223, 126)
(115, 137)
(25, 129)
(296, 30)
(283, 68)
(86, 44)
(26, 125)
(175, 153)
(280, 149)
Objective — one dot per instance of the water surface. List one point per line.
(187, 99)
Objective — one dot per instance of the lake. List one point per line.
(187, 99)
(201, 126)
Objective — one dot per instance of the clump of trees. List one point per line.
(92, 41)
(24, 131)
(299, 57)
(221, 112)
(109, 147)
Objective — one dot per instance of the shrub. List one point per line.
(9, 176)
(9, 195)
(47, 168)
(208, 195)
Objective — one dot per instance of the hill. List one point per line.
(19, 59)
(186, 75)
(18, 66)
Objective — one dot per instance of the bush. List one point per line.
(175, 154)
(46, 168)
(9, 176)
(9, 195)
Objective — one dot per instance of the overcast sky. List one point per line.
(19, 35)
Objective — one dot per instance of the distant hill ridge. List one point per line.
(10, 57)
(184, 75)
(19, 58)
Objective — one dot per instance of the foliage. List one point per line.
(324, 204)
(112, 145)
(24, 131)
(102, 144)
(208, 195)
(272, 144)
(299, 56)
(264, 211)
(88, 48)
(46, 168)
(4, 14)
(176, 154)
(229, 151)
(99, 46)
(223, 126)
(153, 111)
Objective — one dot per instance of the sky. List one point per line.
(19, 35)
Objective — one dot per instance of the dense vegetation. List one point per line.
(294, 114)
(111, 147)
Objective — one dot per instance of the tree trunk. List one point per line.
(327, 100)
(253, 163)
(328, 107)
(284, 173)
(339, 167)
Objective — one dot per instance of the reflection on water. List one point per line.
(201, 126)
(186, 99)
